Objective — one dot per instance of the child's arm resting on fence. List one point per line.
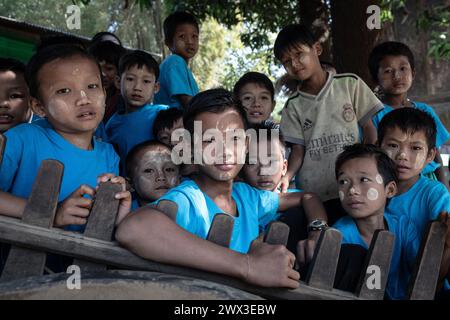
(152, 234)
(11, 206)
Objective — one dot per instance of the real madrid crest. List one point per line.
(348, 114)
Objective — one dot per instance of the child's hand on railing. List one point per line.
(124, 196)
(75, 209)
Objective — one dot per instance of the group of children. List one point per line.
(340, 157)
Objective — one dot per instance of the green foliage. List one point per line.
(436, 20)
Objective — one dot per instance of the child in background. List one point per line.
(174, 230)
(256, 93)
(325, 115)
(139, 73)
(151, 172)
(14, 94)
(265, 174)
(392, 67)
(65, 88)
(108, 55)
(178, 85)
(166, 122)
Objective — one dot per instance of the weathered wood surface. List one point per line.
(277, 233)
(379, 256)
(101, 220)
(424, 278)
(323, 266)
(39, 211)
(105, 252)
(221, 230)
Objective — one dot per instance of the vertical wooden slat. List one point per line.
(101, 220)
(422, 285)
(324, 263)
(39, 211)
(221, 230)
(379, 259)
(277, 233)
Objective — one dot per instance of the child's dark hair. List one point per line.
(254, 77)
(212, 100)
(8, 64)
(174, 20)
(165, 119)
(269, 126)
(139, 58)
(131, 158)
(51, 40)
(409, 121)
(385, 165)
(107, 51)
(389, 48)
(49, 54)
(98, 37)
(292, 36)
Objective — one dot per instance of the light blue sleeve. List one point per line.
(178, 79)
(185, 217)
(268, 203)
(11, 158)
(438, 200)
(410, 242)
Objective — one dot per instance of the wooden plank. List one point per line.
(101, 220)
(378, 259)
(221, 230)
(76, 245)
(324, 263)
(424, 278)
(277, 233)
(39, 211)
(2, 146)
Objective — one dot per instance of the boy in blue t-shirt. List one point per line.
(367, 179)
(14, 94)
(392, 67)
(151, 172)
(174, 230)
(139, 73)
(66, 89)
(178, 85)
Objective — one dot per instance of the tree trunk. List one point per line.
(352, 40)
(315, 14)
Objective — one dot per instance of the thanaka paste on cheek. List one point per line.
(379, 179)
(372, 194)
(341, 195)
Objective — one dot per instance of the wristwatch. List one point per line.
(317, 225)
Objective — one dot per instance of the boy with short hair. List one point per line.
(323, 116)
(181, 36)
(257, 96)
(151, 171)
(408, 136)
(108, 55)
(139, 73)
(14, 94)
(65, 88)
(194, 203)
(166, 122)
(392, 67)
(367, 179)
(256, 173)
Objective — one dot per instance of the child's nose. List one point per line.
(4, 104)
(83, 98)
(160, 176)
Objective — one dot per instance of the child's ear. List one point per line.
(157, 87)
(431, 155)
(391, 189)
(129, 184)
(37, 107)
(285, 167)
(318, 47)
